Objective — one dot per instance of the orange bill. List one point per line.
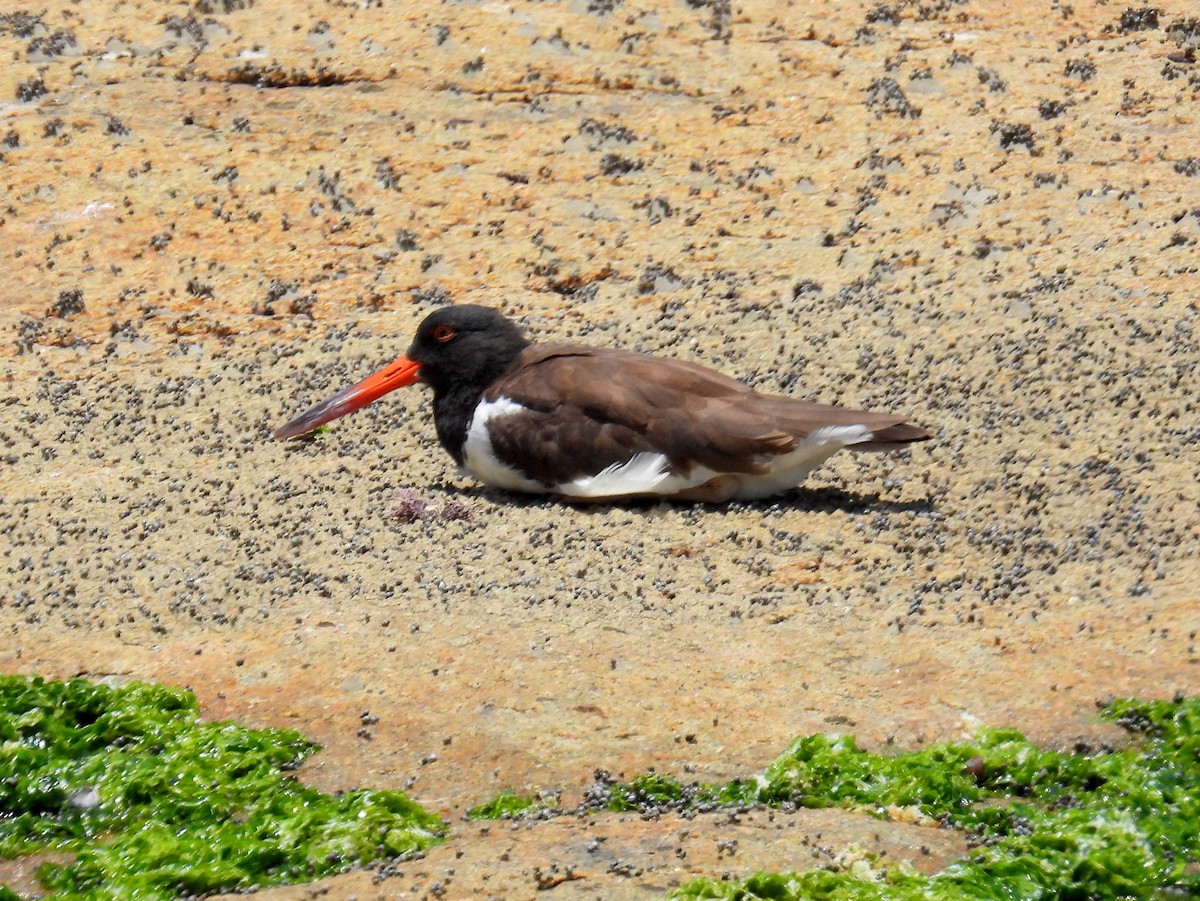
(396, 375)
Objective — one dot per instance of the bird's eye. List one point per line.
(444, 333)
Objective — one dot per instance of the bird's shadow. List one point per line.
(831, 500)
(815, 500)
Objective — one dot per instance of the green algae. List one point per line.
(1113, 823)
(1101, 823)
(155, 804)
(505, 806)
(653, 792)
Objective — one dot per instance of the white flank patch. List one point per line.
(644, 473)
(479, 457)
(790, 469)
(841, 435)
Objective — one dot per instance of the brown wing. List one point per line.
(591, 408)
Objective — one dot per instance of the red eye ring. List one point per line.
(444, 333)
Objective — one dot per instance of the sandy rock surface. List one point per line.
(984, 215)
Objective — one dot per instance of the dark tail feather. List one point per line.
(893, 437)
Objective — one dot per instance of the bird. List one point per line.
(605, 424)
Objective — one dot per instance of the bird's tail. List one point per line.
(893, 437)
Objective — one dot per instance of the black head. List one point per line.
(458, 351)
(465, 347)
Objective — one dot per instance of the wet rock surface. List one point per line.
(985, 217)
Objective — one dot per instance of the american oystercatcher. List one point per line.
(593, 423)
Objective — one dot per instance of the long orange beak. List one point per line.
(396, 375)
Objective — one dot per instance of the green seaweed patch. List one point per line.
(1107, 823)
(651, 794)
(156, 804)
(505, 806)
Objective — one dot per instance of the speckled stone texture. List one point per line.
(984, 215)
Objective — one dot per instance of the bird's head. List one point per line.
(456, 347)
